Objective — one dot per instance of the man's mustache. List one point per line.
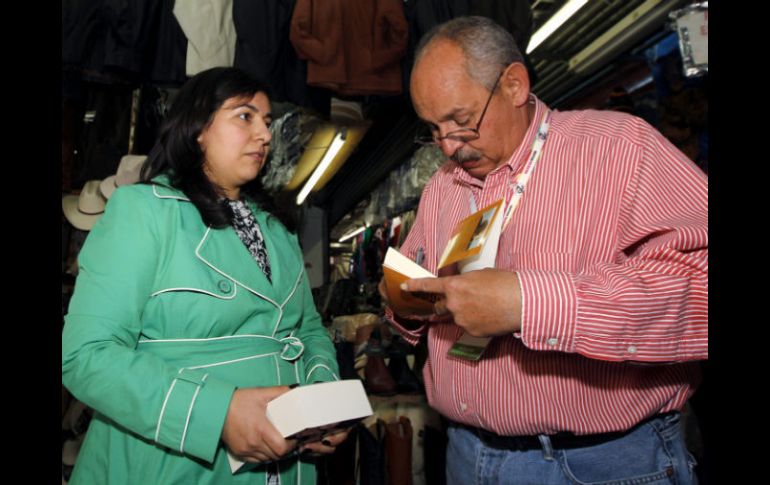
(462, 155)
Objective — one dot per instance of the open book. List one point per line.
(473, 245)
(307, 413)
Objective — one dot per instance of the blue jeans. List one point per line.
(653, 453)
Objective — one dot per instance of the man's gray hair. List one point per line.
(488, 47)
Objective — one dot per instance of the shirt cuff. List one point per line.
(410, 335)
(548, 311)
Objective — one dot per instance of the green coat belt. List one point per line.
(167, 319)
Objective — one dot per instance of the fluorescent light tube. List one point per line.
(351, 234)
(548, 28)
(331, 152)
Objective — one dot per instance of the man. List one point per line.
(597, 305)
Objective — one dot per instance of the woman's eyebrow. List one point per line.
(250, 107)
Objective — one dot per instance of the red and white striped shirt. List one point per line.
(610, 242)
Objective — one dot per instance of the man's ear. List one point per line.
(515, 84)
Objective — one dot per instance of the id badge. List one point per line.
(468, 347)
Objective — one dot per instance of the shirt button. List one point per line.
(224, 286)
(553, 341)
(632, 350)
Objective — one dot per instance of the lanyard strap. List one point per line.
(520, 181)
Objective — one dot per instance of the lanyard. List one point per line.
(520, 181)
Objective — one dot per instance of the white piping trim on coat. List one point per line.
(203, 366)
(291, 294)
(154, 191)
(210, 265)
(317, 366)
(313, 357)
(189, 413)
(198, 290)
(277, 368)
(163, 408)
(207, 339)
(278, 471)
(277, 373)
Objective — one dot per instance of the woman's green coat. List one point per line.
(167, 319)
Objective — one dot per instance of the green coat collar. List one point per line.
(223, 251)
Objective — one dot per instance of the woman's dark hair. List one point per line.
(178, 154)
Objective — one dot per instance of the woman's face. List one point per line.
(236, 142)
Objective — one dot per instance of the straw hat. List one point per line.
(128, 173)
(83, 210)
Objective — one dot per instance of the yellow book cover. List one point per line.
(470, 234)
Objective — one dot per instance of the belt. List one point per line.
(563, 440)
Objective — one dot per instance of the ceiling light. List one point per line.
(553, 23)
(351, 234)
(331, 152)
(635, 26)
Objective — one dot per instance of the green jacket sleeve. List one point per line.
(180, 409)
(320, 358)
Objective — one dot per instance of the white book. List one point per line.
(308, 412)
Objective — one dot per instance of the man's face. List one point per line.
(447, 99)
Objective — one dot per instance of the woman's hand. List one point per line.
(248, 433)
(327, 444)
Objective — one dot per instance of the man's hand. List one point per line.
(247, 432)
(485, 303)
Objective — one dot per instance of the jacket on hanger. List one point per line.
(208, 26)
(263, 50)
(353, 47)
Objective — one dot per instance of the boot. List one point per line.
(345, 360)
(420, 415)
(406, 381)
(371, 451)
(377, 378)
(398, 451)
(381, 332)
(339, 468)
(434, 445)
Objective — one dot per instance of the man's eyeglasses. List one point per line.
(463, 135)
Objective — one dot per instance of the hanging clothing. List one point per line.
(353, 47)
(102, 132)
(165, 66)
(208, 26)
(263, 49)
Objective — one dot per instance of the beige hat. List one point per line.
(83, 210)
(128, 173)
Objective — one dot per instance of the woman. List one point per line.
(192, 308)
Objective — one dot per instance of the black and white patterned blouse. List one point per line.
(248, 230)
